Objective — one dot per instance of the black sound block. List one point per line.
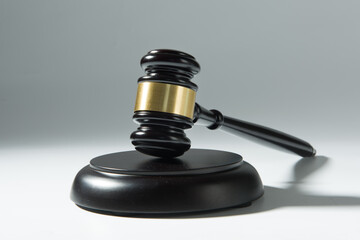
(127, 183)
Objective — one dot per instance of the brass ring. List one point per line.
(163, 97)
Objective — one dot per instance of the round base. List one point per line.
(130, 182)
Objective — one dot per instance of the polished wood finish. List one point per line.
(132, 183)
(162, 133)
(213, 119)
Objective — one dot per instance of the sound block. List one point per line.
(131, 183)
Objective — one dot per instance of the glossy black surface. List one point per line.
(213, 119)
(192, 162)
(161, 134)
(133, 183)
(170, 66)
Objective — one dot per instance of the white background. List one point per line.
(68, 72)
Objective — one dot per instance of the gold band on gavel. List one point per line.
(163, 97)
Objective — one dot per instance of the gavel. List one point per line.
(165, 107)
(171, 178)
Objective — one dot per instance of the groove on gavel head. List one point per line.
(165, 103)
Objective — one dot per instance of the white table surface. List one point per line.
(314, 198)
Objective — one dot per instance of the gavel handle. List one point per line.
(214, 119)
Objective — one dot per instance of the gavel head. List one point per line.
(165, 103)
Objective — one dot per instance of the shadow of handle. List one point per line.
(305, 166)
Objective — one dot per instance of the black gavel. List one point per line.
(130, 182)
(165, 107)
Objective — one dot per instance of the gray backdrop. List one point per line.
(68, 69)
